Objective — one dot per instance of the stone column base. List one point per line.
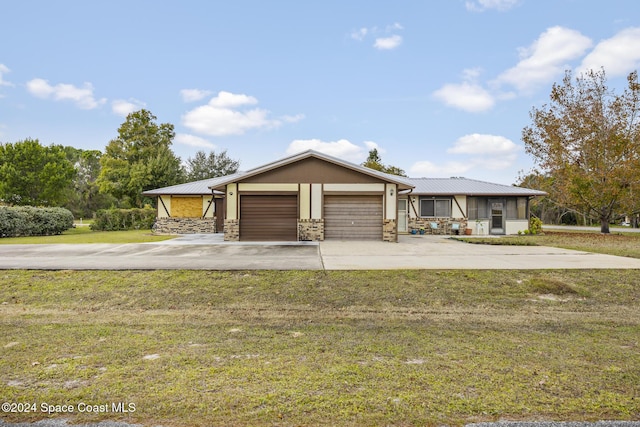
(185, 225)
(231, 230)
(311, 229)
(389, 231)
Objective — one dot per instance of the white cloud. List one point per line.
(359, 34)
(384, 39)
(231, 100)
(224, 115)
(481, 5)
(292, 119)
(342, 149)
(123, 107)
(467, 96)
(448, 169)
(191, 95)
(83, 97)
(546, 58)
(483, 144)
(388, 43)
(4, 70)
(618, 55)
(193, 141)
(488, 152)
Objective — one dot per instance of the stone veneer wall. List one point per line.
(232, 230)
(311, 229)
(443, 224)
(185, 225)
(389, 231)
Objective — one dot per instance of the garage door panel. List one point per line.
(269, 218)
(353, 217)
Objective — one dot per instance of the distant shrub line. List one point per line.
(124, 219)
(16, 221)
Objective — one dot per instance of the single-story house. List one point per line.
(314, 196)
(451, 205)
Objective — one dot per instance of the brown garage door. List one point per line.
(353, 217)
(268, 218)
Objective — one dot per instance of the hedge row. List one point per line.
(124, 219)
(30, 221)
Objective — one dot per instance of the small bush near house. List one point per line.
(535, 225)
(124, 219)
(31, 221)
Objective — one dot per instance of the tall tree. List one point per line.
(204, 166)
(83, 195)
(587, 139)
(32, 174)
(139, 159)
(375, 162)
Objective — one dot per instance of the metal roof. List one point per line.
(195, 188)
(421, 186)
(466, 186)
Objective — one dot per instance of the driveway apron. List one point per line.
(200, 252)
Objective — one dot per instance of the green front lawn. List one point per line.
(409, 348)
(86, 235)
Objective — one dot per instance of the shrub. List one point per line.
(31, 221)
(124, 219)
(535, 225)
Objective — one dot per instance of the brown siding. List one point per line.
(186, 207)
(353, 217)
(312, 170)
(268, 218)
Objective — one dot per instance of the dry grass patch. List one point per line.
(194, 348)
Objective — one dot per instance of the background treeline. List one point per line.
(85, 181)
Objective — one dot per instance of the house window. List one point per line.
(522, 208)
(517, 208)
(440, 208)
(477, 207)
(472, 207)
(512, 209)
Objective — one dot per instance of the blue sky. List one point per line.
(441, 87)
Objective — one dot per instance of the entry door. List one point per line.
(402, 215)
(497, 216)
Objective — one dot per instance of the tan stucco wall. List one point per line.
(512, 226)
(304, 199)
(232, 202)
(391, 201)
(459, 212)
(162, 213)
(316, 201)
(210, 210)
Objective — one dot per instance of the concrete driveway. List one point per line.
(209, 252)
